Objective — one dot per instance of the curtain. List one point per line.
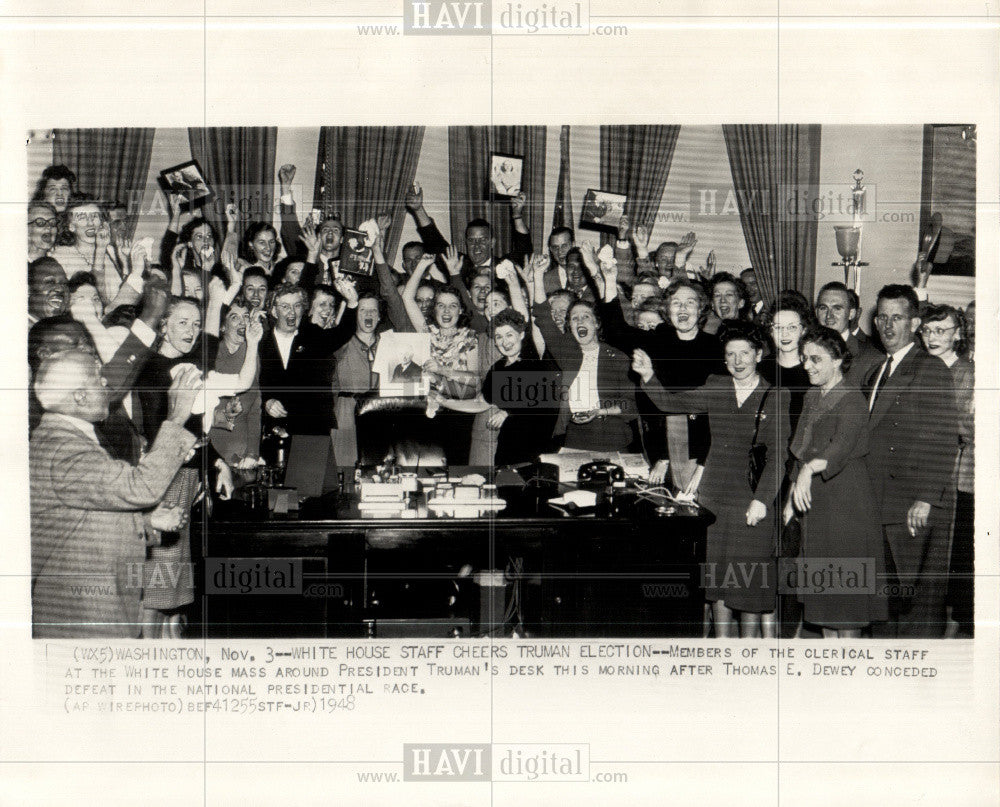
(363, 171)
(469, 149)
(111, 164)
(238, 163)
(635, 160)
(562, 211)
(776, 178)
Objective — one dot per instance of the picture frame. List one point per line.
(506, 174)
(187, 180)
(356, 256)
(601, 210)
(399, 361)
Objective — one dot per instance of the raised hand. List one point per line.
(642, 365)
(178, 258)
(623, 225)
(384, 221)
(184, 389)
(452, 260)
(102, 239)
(232, 214)
(285, 175)
(347, 290)
(517, 204)
(589, 254)
(414, 199)
(255, 332)
(684, 247)
(155, 297)
(425, 261)
(216, 290)
(137, 258)
(640, 237)
(311, 239)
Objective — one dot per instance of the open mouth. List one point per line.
(582, 333)
(55, 302)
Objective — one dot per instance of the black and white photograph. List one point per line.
(505, 174)
(758, 402)
(500, 404)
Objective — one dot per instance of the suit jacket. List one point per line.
(436, 244)
(87, 535)
(305, 386)
(864, 357)
(913, 436)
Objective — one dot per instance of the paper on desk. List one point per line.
(581, 498)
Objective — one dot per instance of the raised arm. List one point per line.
(680, 402)
(394, 303)
(291, 230)
(410, 294)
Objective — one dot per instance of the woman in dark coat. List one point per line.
(739, 570)
(832, 489)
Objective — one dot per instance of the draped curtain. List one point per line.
(111, 164)
(562, 211)
(776, 178)
(238, 163)
(469, 149)
(635, 160)
(363, 171)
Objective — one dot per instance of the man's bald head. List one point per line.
(70, 383)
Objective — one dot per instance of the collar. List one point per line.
(900, 354)
(84, 426)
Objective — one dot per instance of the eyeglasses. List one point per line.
(895, 319)
(938, 332)
(43, 222)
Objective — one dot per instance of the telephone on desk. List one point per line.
(599, 474)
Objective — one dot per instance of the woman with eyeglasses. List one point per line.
(944, 336)
(43, 225)
(739, 556)
(788, 320)
(833, 494)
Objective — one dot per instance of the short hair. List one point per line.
(57, 377)
(791, 300)
(43, 203)
(45, 262)
(726, 277)
(853, 301)
(40, 331)
(84, 200)
(683, 283)
(561, 293)
(939, 313)
(53, 172)
(593, 310)
(175, 302)
(284, 289)
(654, 305)
(81, 279)
(563, 231)
(282, 266)
(738, 330)
(413, 245)
(670, 244)
(324, 288)
(334, 217)
(502, 292)
(897, 291)
(254, 271)
(255, 229)
(188, 230)
(515, 319)
(479, 223)
(832, 342)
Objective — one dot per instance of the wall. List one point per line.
(890, 157)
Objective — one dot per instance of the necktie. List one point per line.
(886, 369)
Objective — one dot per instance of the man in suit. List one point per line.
(88, 528)
(480, 242)
(838, 307)
(297, 362)
(913, 436)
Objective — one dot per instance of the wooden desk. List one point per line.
(581, 577)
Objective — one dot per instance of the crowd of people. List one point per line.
(155, 377)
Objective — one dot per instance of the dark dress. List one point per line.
(794, 379)
(739, 559)
(527, 391)
(842, 521)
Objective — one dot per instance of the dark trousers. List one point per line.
(916, 583)
(961, 594)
